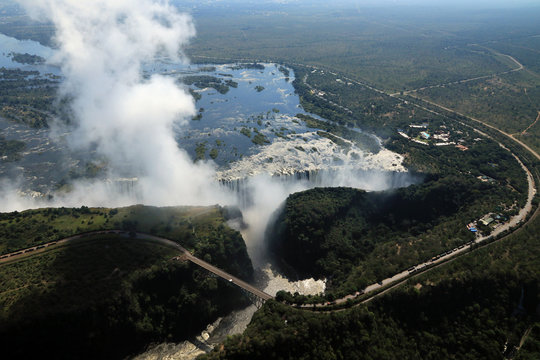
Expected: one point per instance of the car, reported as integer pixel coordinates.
(230, 280)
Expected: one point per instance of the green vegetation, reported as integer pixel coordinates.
(200, 151)
(405, 47)
(214, 153)
(231, 83)
(242, 66)
(361, 140)
(531, 345)
(197, 96)
(338, 141)
(140, 295)
(26, 98)
(284, 71)
(496, 100)
(27, 58)
(259, 88)
(468, 309)
(245, 131)
(351, 105)
(355, 238)
(206, 81)
(258, 138)
(207, 69)
(10, 149)
(197, 228)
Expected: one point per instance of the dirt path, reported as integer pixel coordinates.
(530, 126)
(517, 63)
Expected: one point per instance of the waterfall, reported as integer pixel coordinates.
(370, 180)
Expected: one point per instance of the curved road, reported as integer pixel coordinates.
(397, 279)
(451, 255)
(518, 68)
(15, 256)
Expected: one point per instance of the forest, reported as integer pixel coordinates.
(355, 238)
(481, 306)
(122, 293)
(201, 229)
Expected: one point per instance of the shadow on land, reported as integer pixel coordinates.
(108, 298)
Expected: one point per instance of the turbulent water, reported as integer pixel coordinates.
(234, 323)
(247, 128)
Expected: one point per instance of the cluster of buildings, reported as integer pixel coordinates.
(492, 220)
(420, 134)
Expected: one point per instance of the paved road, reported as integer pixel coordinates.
(163, 241)
(399, 278)
(217, 271)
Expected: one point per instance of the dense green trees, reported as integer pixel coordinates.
(201, 229)
(468, 309)
(204, 81)
(354, 238)
(108, 296)
(106, 299)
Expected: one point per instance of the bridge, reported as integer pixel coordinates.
(256, 296)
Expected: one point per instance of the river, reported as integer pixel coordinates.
(247, 126)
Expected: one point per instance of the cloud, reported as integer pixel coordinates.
(125, 116)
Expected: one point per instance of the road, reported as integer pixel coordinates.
(15, 256)
(530, 126)
(517, 63)
(216, 271)
(395, 280)
(522, 144)
(399, 279)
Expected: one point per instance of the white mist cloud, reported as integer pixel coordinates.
(128, 118)
(102, 46)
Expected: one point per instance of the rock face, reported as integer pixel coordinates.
(169, 351)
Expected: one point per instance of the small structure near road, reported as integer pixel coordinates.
(486, 220)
